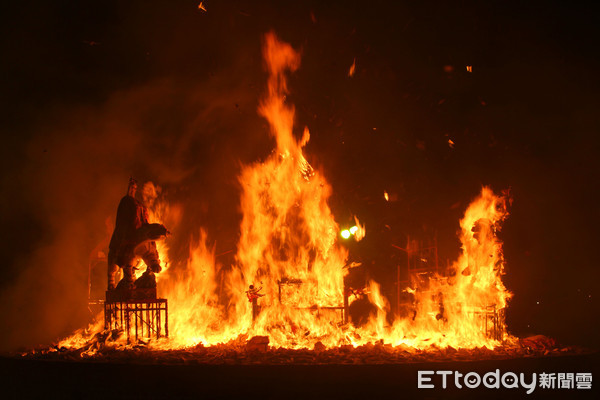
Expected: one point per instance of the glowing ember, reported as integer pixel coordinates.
(352, 70)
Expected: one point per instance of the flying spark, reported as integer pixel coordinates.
(352, 68)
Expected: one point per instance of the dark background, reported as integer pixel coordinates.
(93, 92)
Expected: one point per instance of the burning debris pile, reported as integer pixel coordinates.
(110, 347)
(284, 299)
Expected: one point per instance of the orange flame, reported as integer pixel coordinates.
(465, 308)
(288, 242)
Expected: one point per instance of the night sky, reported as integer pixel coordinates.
(94, 92)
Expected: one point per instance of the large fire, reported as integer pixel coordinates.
(291, 261)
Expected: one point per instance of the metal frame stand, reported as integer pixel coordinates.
(492, 322)
(138, 318)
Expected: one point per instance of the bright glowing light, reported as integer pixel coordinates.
(345, 233)
(353, 229)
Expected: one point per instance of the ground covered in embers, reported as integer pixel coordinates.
(243, 352)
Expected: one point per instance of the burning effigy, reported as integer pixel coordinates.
(285, 296)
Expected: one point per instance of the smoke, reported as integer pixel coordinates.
(76, 168)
